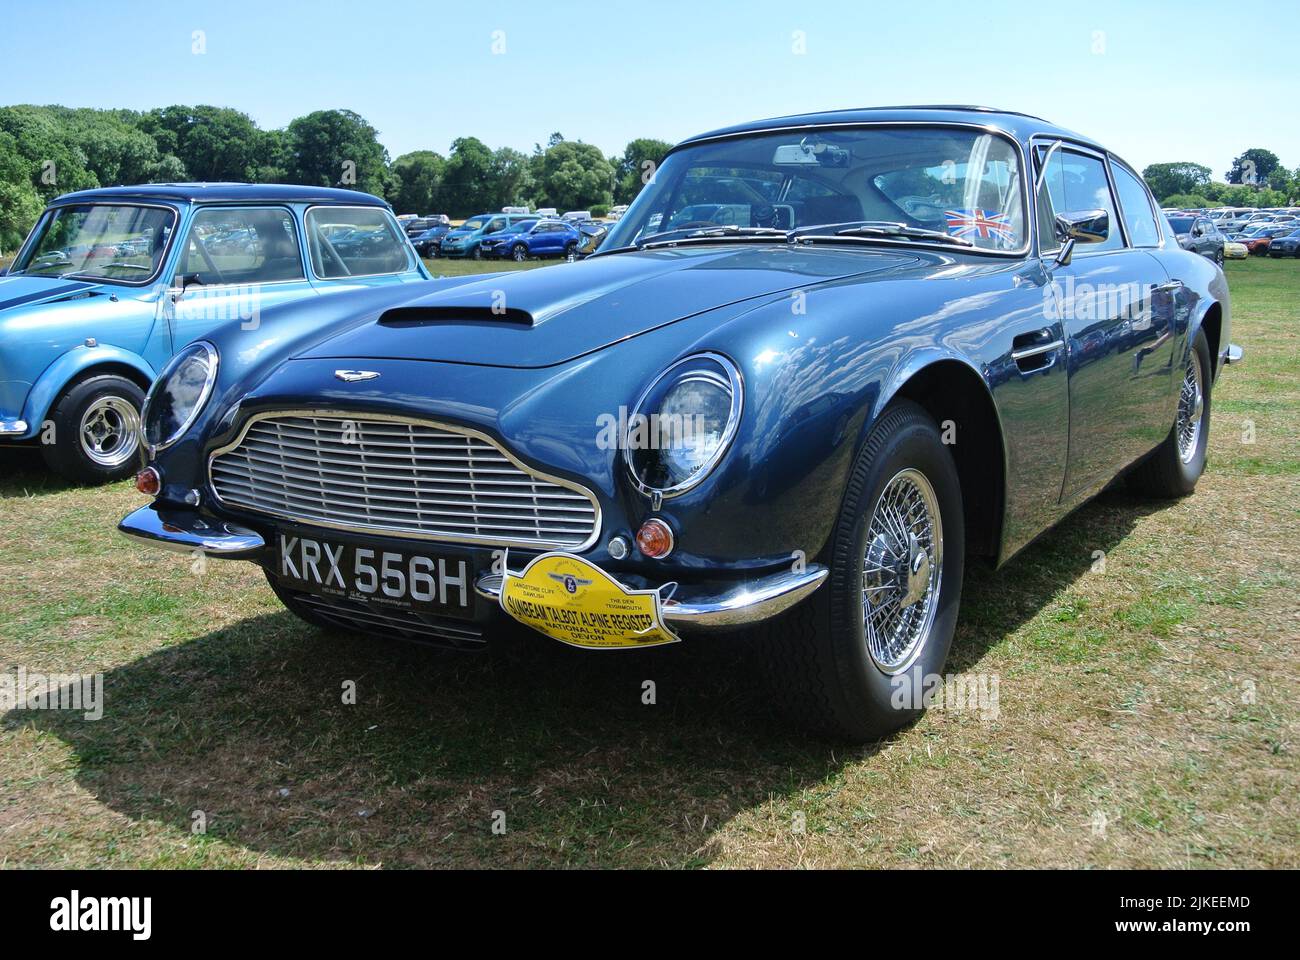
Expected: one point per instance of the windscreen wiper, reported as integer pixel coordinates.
(721, 232)
(699, 235)
(879, 228)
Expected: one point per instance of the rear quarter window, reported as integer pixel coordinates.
(354, 242)
(1139, 216)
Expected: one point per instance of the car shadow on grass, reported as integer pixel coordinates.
(23, 473)
(592, 759)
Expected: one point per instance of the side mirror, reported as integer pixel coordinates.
(1080, 226)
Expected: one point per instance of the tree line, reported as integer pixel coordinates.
(1257, 178)
(46, 151)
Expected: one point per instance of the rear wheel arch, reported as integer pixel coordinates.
(1212, 324)
(957, 398)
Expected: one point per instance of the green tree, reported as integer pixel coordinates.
(575, 176)
(1253, 167)
(418, 180)
(20, 204)
(512, 178)
(1166, 179)
(50, 163)
(337, 148)
(470, 178)
(637, 165)
(272, 155)
(214, 143)
(1186, 201)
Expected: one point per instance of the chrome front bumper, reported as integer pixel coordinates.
(704, 608)
(720, 608)
(184, 531)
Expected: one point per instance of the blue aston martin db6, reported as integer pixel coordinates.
(819, 363)
(102, 294)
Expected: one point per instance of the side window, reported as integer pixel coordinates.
(1136, 204)
(242, 245)
(354, 242)
(1076, 182)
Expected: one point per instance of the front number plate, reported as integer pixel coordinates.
(428, 582)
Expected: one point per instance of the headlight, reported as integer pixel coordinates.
(178, 395)
(683, 424)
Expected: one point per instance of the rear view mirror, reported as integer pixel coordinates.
(793, 154)
(810, 154)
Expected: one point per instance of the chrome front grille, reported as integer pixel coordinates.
(399, 476)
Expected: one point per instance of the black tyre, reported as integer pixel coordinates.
(478, 253)
(571, 252)
(848, 662)
(519, 253)
(1173, 468)
(95, 436)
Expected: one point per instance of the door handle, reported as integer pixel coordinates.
(1171, 287)
(1036, 350)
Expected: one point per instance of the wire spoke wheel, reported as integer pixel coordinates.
(1191, 408)
(902, 570)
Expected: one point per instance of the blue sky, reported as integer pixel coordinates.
(1149, 79)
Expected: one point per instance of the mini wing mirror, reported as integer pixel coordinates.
(1080, 226)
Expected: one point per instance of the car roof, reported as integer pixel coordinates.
(227, 193)
(1019, 125)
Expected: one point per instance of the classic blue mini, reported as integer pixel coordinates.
(112, 282)
(818, 363)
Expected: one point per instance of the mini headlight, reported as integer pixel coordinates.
(178, 395)
(682, 425)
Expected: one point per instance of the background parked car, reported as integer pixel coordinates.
(541, 238)
(1257, 239)
(1199, 235)
(464, 241)
(488, 245)
(421, 225)
(1230, 219)
(1232, 250)
(427, 243)
(112, 282)
(1285, 245)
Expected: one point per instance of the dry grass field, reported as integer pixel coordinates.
(1148, 708)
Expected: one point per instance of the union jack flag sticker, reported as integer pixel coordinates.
(979, 224)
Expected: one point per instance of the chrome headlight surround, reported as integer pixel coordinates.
(150, 431)
(709, 370)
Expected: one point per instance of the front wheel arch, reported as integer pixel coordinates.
(954, 394)
(65, 372)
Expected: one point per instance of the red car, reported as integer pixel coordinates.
(1258, 243)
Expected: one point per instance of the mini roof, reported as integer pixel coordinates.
(226, 193)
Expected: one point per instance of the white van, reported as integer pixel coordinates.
(1230, 219)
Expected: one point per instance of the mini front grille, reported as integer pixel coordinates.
(401, 477)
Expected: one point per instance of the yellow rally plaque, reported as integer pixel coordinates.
(576, 602)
